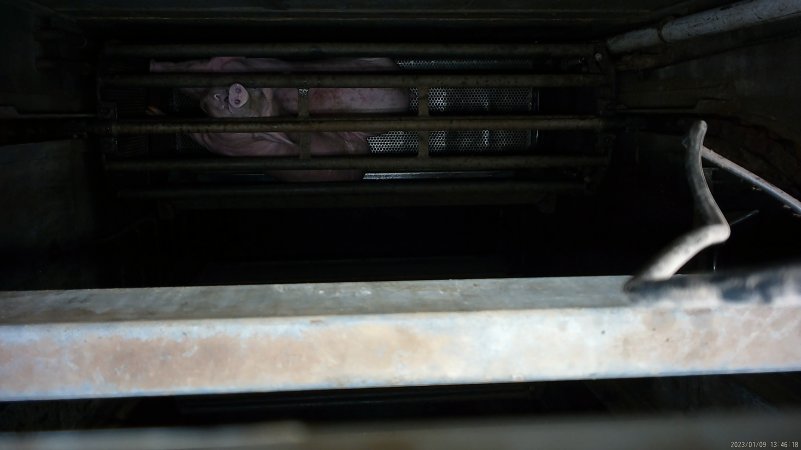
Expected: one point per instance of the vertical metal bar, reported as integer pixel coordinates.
(303, 112)
(422, 111)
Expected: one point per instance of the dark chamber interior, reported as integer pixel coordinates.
(70, 223)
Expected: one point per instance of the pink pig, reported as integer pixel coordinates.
(239, 101)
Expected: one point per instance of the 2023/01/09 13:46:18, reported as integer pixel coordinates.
(764, 444)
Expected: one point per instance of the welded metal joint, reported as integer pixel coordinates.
(714, 228)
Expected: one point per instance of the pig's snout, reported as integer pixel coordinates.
(237, 95)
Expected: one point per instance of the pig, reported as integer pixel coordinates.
(238, 101)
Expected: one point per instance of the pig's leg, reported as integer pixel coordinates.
(328, 144)
(247, 144)
(278, 144)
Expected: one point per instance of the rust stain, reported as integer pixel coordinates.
(282, 354)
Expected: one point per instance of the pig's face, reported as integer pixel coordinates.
(235, 101)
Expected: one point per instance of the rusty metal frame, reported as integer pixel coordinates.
(377, 163)
(351, 80)
(342, 49)
(164, 125)
(358, 194)
(195, 340)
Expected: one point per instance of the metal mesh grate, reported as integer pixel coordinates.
(480, 140)
(477, 100)
(466, 101)
(441, 65)
(394, 142)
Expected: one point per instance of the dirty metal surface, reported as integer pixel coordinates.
(342, 49)
(195, 340)
(353, 80)
(342, 123)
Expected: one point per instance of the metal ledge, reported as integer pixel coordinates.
(373, 163)
(133, 342)
(165, 125)
(352, 80)
(358, 194)
(340, 49)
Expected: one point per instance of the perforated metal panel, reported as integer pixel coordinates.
(442, 65)
(394, 142)
(467, 101)
(477, 100)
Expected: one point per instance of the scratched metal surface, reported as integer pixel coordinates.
(465, 101)
(308, 299)
(139, 342)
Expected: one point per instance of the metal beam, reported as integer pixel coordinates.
(346, 49)
(196, 340)
(375, 163)
(727, 18)
(164, 125)
(358, 194)
(351, 80)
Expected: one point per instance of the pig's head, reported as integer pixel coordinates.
(239, 101)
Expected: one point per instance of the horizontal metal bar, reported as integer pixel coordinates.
(336, 49)
(356, 188)
(351, 80)
(357, 194)
(165, 125)
(375, 163)
(726, 18)
(201, 340)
